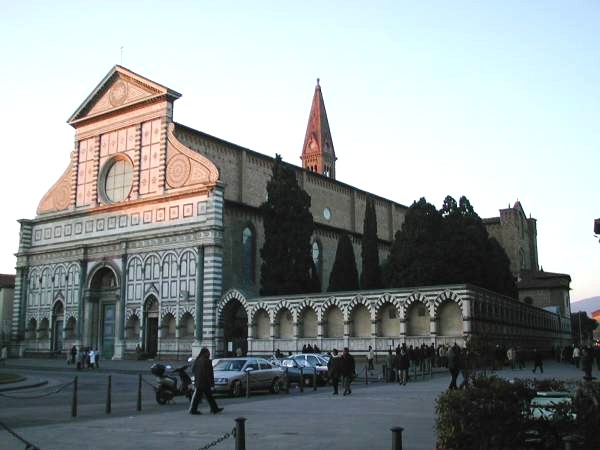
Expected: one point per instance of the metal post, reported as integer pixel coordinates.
(247, 384)
(301, 379)
(384, 368)
(240, 433)
(569, 442)
(139, 394)
(397, 438)
(314, 378)
(74, 399)
(366, 375)
(108, 395)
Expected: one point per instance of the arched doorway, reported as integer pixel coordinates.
(151, 325)
(58, 319)
(102, 312)
(235, 327)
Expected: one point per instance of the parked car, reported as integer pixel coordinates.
(230, 375)
(309, 362)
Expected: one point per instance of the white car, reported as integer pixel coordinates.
(231, 375)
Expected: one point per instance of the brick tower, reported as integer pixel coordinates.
(318, 154)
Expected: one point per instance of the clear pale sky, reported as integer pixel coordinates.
(497, 101)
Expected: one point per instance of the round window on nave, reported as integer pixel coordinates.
(118, 180)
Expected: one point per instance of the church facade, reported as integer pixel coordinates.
(150, 240)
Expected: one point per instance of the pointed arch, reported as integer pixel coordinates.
(307, 318)
(258, 307)
(445, 297)
(330, 302)
(359, 300)
(230, 295)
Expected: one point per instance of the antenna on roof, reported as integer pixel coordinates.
(122, 54)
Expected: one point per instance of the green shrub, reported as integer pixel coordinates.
(495, 414)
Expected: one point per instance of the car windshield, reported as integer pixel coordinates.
(230, 365)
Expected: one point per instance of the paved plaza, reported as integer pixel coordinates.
(309, 420)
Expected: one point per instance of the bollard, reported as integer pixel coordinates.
(240, 433)
(74, 400)
(314, 378)
(108, 396)
(397, 438)
(569, 442)
(366, 375)
(301, 379)
(247, 384)
(139, 394)
(286, 384)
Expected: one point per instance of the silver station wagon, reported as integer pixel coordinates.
(230, 375)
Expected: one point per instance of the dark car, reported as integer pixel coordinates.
(310, 363)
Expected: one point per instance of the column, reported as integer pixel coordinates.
(346, 333)
(197, 344)
(120, 345)
(17, 332)
(296, 334)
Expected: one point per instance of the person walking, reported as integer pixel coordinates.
(576, 356)
(453, 356)
(587, 363)
(204, 380)
(537, 361)
(389, 367)
(371, 358)
(92, 359)
(402, 365)
(334, 367)
(511, 355)
(73, 354)
(347, 370)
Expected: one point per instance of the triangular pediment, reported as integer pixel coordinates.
(120, 89)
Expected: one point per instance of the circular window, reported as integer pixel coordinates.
(327, 213)
(118, 179)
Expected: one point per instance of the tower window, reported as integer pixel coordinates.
(248, 255)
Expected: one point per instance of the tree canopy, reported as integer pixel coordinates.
(448, 246)
(288, 225)
(370, 277)
(344, 276)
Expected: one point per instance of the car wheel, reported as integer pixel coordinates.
(276, 386)
(236, 389)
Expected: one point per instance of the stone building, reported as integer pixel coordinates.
(517, 234)
(7, 294)
(150, 239)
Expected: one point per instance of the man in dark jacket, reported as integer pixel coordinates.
(204, 380)
(454, 363)
(348, 368)
(334, 367)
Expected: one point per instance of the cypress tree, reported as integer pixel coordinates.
(288, 227)
(344, 276)
(370, 277)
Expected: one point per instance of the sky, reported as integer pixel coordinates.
(497, 101)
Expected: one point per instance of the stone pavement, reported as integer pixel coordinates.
(312, 420)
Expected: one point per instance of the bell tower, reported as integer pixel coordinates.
(318, 154)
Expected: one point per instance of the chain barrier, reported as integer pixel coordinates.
(28, 445)
(149, 384)
(47, 394)
(219, 440)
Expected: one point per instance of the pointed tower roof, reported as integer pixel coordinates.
(318, 136)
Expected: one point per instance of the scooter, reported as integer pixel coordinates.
(167, 386)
